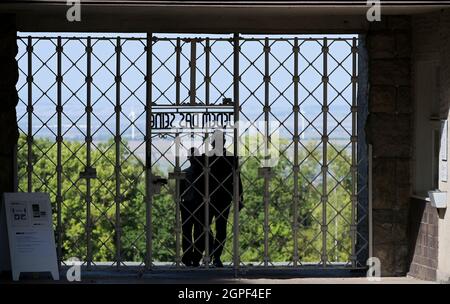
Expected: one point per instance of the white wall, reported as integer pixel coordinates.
(443, 272)
(431, 52)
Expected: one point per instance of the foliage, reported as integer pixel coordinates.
(131, 212)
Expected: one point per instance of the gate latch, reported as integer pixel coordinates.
(177, 174)
(265, 172)
(89, 172)
(157, 182)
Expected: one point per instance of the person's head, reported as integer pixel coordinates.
(192, 153)
(218, 139)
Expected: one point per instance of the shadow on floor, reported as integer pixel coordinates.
(226, 275)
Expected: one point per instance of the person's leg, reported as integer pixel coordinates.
(212, 214)
(199, 236)
(186, 241)
(199, 233)
(221, 232)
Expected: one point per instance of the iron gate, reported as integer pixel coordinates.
(106, 124)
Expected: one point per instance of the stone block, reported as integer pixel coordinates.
(6, 173)
(383, 176)
(404, 102)
(403, 171)
(386, 255)
(400, 215)
(396, 72)
(381, 45)
(401, 260)
(399, 22)
(403, 44)
(383, 233)
(9, 132)
(403, 196)
(9, 73)
(8, 99)
(434, 242)
(382, 99)
(391, 135)
(400, 235)
(392, 146)
(382, 227)
(422, 272)
(7, 23)
(8, 44)
(381, 25)
(433, 217)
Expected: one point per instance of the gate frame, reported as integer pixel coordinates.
(360, 96)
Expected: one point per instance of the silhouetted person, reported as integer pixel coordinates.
(192, 211)
(221, 193)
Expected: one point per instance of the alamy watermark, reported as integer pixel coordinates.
(74, 272)
(259, 139)
(374, 272)
(374, 11)
(74, 11)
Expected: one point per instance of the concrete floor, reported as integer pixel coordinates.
(386, 280)
(218, 276)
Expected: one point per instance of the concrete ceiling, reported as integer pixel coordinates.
(206, 16)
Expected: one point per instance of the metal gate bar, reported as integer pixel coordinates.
(88, 167)
(206, 172)
(354, 139)
(296, 50)
(236, 168)
(178, 223)
(59, 139)
(324, 229)
(30, 116)
(118, 141)
(177, 169)
(193, 67)
(266, 168)
(148, 156)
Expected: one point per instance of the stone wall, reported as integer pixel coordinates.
(8, 100)
(431, 44)
(423, 234)
(389, 130)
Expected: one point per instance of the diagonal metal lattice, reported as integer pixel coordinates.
(93, 134)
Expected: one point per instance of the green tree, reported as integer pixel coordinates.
(132, 213)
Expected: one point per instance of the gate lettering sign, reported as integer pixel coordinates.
(194, 117)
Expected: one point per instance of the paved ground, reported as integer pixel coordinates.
(387, 280)
(227, 276)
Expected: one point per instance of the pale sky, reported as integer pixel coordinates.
(74, 88)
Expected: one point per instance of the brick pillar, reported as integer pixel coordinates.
(8, 100)
(389, 130)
